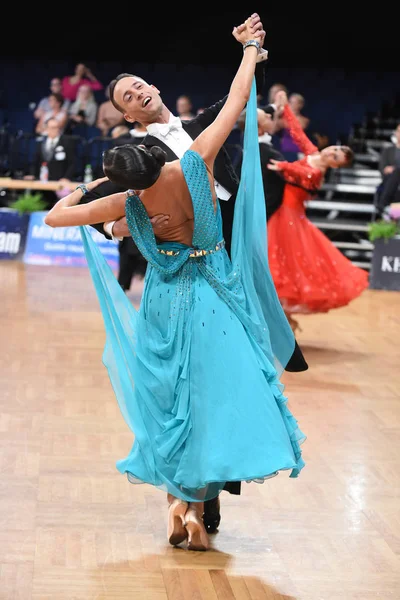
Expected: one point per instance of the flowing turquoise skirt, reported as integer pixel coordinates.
(196, 369)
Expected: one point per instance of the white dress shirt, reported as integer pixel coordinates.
(265, 138)
(175, 137)
(51, 144)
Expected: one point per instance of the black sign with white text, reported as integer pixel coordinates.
(385, 269)
(13, 231)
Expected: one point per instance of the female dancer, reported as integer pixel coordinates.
(310, 274)
(196, 370)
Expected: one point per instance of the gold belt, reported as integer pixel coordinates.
(195, 253)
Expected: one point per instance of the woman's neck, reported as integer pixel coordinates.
(317, 162)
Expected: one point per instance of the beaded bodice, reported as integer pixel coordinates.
(207, 222)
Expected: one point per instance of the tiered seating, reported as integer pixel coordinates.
(345, 205)
(17, 151)
(344, 209)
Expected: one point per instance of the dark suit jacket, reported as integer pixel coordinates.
(273, 182)
(224, 174)
(62, 164)
(387, 158)
(223, 169)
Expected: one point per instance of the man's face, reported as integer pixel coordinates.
(139, 100)
(54, 103)
(273, 91)
(183, 105)
(80, 69)
(55, 86)
(265, 124)
(296, 103)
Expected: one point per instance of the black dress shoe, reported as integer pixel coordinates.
(297, 362)
(211, 516)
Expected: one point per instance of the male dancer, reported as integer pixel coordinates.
(140, 102)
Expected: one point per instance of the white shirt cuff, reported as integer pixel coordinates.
(262, 55)
(108, 228)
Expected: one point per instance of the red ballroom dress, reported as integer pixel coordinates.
(310, 274)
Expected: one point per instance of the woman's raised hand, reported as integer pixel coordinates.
(251, 29)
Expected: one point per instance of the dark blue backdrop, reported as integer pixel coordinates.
(335, 98)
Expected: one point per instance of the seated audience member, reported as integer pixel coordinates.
(272, 108)
(58, 152)
(184, 108)
(288, 146)
(121, 135)
(84, 110)
(138, 132)
(56, 111)
(274, 89)
(389, 166)
(72, 83)
(297, 103)
(108, 116)
(321, 140)
(44, 104)
(120, 131)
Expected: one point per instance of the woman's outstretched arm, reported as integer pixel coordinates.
(66, 213)
(295, 129)
(213, 137)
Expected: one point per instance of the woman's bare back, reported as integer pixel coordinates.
(170, 196)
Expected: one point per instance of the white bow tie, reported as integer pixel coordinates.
(173, 124)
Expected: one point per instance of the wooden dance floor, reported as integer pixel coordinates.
(73, 528)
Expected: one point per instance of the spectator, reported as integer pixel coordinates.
(44, 104)
(297, 103)
(184, 108)
(58, 152)
(138, 132)
(121, 134)
(84, 110)
(271, 108)
(389, 166)
(72, 83)
(108, 116)
(56, 111)
(120, 131)
(321, 140)
(287, 145)
(274, 89)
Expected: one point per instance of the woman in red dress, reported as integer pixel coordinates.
(310, 274)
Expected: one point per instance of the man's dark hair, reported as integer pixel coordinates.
(348, 155)
(132, 167)
(112, 85)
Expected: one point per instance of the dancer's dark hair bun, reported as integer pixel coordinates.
(159, 154)
(133, 167)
